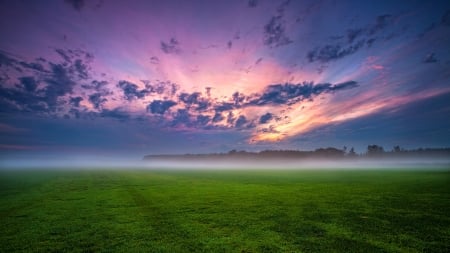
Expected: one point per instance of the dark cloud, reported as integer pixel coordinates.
(356, 38)
(189, 99)
(381, 22)
(29, 83)
(75, 101)
(97, 100)
(352, 34)
(430, 58)
(274, 33)
(224, 106)
(154, 60)
(115, 113)
(182, 117)
(171, 47)
(293, 93)
(253, 3)
(333, 52)
(203, 120)
(161, 87)
(241, 120)
(131, 91)
(218, 117)
(229, 44)
(445, 20)
(160, 106)
(230, 118)
(59, 83)
(265, 118)
(76, 4)
(81, 69)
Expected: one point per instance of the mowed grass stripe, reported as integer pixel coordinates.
(225, 211)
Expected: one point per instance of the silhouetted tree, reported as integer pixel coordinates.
(352, 152)
(374, 150)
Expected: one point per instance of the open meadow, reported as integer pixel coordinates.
(224, 211)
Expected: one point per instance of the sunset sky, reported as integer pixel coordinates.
(151, 77)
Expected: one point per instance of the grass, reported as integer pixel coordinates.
(225, 211)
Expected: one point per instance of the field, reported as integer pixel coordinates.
(224, 211)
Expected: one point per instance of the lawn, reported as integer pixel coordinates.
(225, 211)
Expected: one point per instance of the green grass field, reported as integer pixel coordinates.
(225, 211)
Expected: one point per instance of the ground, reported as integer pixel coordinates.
(225, 211)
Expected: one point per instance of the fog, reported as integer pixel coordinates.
(118, 163)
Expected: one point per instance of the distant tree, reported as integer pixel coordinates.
(374, 150)
(396, 149)
(352, 152)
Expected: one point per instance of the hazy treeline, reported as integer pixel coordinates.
(373, 151)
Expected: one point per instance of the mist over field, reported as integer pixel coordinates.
(87, 163)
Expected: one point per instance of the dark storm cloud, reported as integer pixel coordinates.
(76, 4)
(275, 34)
(131, 91)
(170, 47)
(292, 93)
(265, 118)
(354, 40)
(160, 106)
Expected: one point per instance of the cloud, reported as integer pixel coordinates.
(445, 20)
(154, 60)
(241, 120)
(160, 106)
(265, 118)
(218, 117)
(356, 38)
(115, 113)
(131, 91)
(170, 47)
(29, 83)
(292, 93)
(333, 52)
(203, 120)
(430, 58)
(97, 100)
(75, 101)
(274, 33)
(253, 3)
(76, 4)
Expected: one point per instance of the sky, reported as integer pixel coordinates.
(173, 77)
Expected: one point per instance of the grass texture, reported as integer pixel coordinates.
(224, 211)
